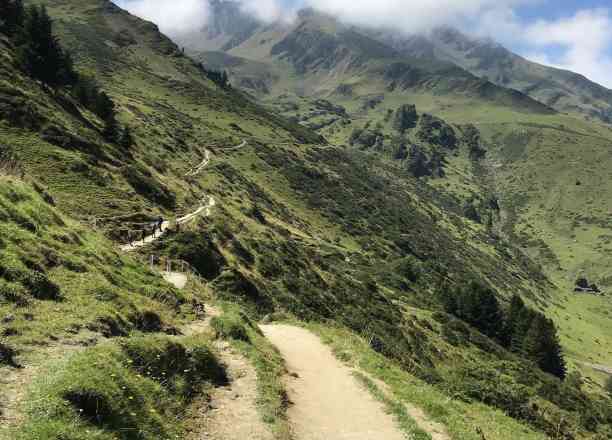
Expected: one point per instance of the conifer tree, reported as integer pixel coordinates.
(104, 106)
(40, 52)
(512, 319)
(405, 118)
(11, 16)
(608, 386)
(126, 140)
(541, 345)
(111, 129)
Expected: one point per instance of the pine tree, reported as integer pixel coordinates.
(40, 52)
(512, 320)
(126, 140)
(478, 306)
(541, 345)
(405, 118)
(521, 326)
(11, 16)
(111, 129)
(554, 362)
(104, 106)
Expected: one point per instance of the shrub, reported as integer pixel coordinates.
(608, 386)
(147, 186)
(7, 356)
(13, 293)
(40, 286)
(490, 385)
(230, 326)
(200, 251)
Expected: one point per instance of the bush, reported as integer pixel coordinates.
(200, 251)
(13, 293)
(7, 356)
(608, 386)
(35, 282)
(40, 286)
(230, 326)
(490, 385)
(147, 186)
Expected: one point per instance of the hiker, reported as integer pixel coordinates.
(160, 223)
(144, 234)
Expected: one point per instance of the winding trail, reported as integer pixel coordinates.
(206, 209)
(327, 401)
(195, 171)
(202, 210)
(598, 367)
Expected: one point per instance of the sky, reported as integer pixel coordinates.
(569, 34)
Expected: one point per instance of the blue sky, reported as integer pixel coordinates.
(570, 34)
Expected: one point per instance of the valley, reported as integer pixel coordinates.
(336, 210)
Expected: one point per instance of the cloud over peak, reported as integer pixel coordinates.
(581, 42)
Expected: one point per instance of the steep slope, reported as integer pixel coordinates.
(302, 230)
(529, 175)
(562, 90)
(172, 108)
(319, 56)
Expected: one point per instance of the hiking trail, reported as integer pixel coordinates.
(204, 210)
(327, 401)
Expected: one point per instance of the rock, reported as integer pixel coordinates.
(583, 286)
(8, 318)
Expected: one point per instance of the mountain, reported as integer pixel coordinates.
(562, 90)
(356, 88)
(389, 204)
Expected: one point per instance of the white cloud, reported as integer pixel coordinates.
(412, 16)
(268, 10)
(585, 40)
(174, 17)
(581, 43)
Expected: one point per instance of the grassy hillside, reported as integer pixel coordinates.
(546, 171)
(345, 238)
(563, 90)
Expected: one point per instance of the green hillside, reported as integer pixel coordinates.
(563, 90)
(543, 168)
(363, 229)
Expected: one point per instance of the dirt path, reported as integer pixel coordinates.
(198, 169)
(232, 413)
(177, 279)
(600, 368)
(202, 210)
(328, 402)
(195, 171)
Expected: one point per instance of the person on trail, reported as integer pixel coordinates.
(160, 223)
(144, 234)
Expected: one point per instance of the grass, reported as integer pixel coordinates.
(460, 418)
(245, 336)
(132, 389)
(336, 224)
(398, 409)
